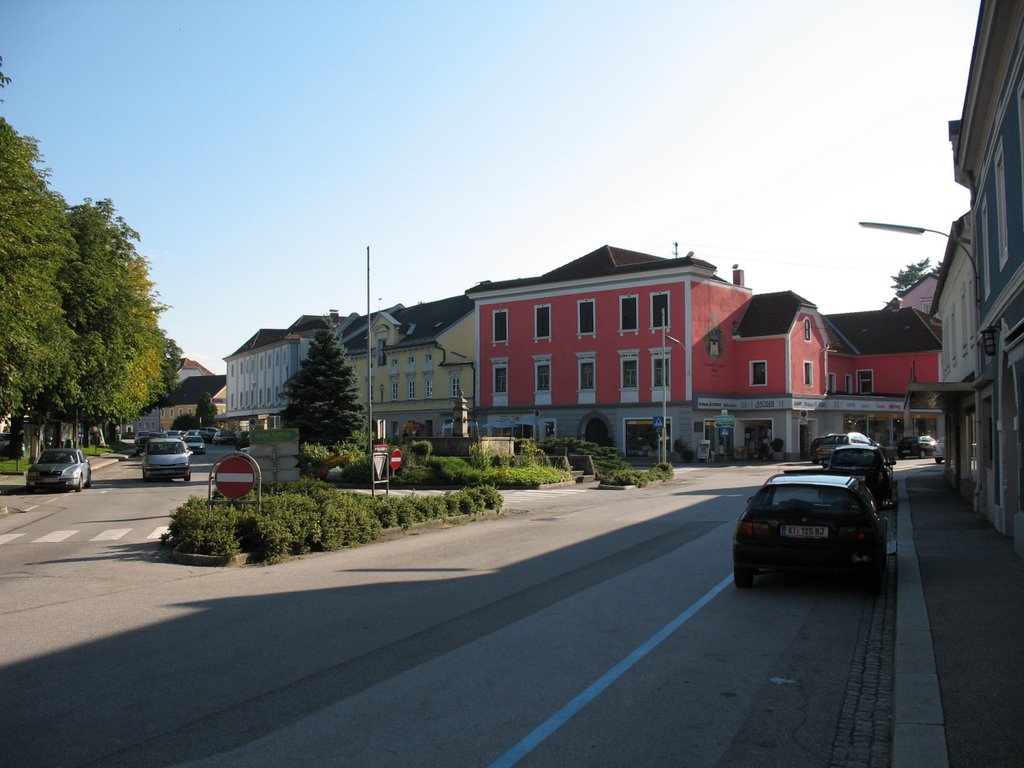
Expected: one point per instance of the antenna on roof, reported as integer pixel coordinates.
(675, 250)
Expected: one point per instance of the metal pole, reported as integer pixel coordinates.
(369, 377)
(664, 393)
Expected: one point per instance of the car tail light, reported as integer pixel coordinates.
(857, 533)
(749, 529)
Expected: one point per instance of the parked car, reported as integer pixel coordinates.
(165, 459)
(939, 454)
(208, 433)
(174, 433)
(65, 468)
(916, 445)
(822, 447)
(811, 522)
(872, 465)
(195, 443)
(223, 437)
(5, 440)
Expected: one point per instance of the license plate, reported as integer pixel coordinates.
(803, 531)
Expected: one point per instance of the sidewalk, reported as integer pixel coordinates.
(959, 687)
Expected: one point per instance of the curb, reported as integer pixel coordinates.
(918, 723)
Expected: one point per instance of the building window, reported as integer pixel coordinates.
(659, 310)
(981, 249)
(662, 370)
(586, 317)
(865, 382)
(542, 322)
(759, 373)
(411, 389)
(831, 383)
(428, 388)
(628, 313)
(543, 376)
(500, 325)
(807, 329)
(500, 379)
(586, 375)
(630, 378)
(808, 374)
(394, 389)
(848, 383)
(382, 356)
(455, 386)
(1003, 246)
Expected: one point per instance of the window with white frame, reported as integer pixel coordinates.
(661, 372)
(382, 357)
(542, 369)
(586, 372)
(630, 366)
(865, 382)
(585, 317)
(428, 388)
(628, 313)
(454, 385)
(500, 378)
(758, 373)
(659, 310)
(1000, 170)
(410, 389)
(807, 329)
(831, 383)
(394, 389)
(542, 321)
(848, 383)
(981, 252)
(808, 373)
(500, 325)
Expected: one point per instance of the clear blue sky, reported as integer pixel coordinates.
(260, 147)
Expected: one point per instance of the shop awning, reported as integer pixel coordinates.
(935, 395)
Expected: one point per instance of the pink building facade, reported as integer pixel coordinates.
(622, 348)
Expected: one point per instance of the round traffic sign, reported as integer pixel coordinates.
(396, 458)
(234, 477)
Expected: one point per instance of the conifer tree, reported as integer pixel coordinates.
(323, 395)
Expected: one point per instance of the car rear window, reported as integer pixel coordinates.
(816, 498)
(853, 458)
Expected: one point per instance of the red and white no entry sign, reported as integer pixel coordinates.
(234, 477)
(396, 458)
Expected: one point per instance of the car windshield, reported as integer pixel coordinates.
(57, 457)
(817, 498)
(853, 458)
(166, 448)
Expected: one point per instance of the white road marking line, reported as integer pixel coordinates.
(9, 537)
(158, 532)
(111, 534)
(54, 537)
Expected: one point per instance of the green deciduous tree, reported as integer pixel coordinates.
(206, 411)
(323, 394)
(908, 277)
(35, 244)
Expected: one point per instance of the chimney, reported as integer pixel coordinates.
(334, 316)
(737, 275)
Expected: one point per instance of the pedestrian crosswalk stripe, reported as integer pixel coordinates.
(112, 534)
(54, 537)
(9, 537)
(158, 532)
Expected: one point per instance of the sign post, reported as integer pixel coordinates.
(235, 476)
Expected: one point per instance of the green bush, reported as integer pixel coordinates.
(421, 448)
(197, 530)
(311, 516)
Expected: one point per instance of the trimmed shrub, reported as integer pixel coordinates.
(197, 530)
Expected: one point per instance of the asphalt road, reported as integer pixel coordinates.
(582, 628)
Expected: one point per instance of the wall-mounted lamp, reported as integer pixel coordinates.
(988, 339)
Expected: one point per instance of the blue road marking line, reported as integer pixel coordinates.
(566, 713)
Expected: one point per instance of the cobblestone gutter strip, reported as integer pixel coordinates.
(863, 733)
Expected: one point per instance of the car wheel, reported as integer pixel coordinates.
(80, 486)
(188, 478)
(743, 577)
(938, 459)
